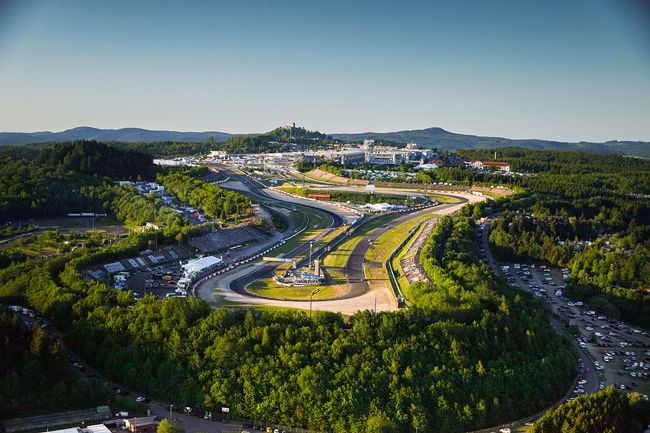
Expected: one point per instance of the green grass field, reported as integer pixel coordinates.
(316, 222)
(339, 257)
(333, 288)
(268, 288)
(395, 263)
(442, 198)
(384, 246)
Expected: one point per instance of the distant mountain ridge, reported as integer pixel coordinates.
(127, 135)
(429, 137)
(442, 139)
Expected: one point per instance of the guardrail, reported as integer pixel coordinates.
(354, 211)
(200, 281)
(320, 252)
(401, 299)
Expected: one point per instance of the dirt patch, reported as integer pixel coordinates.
(317, 173)
(221, 240)
(493, 191)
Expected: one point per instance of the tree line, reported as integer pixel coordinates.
(36, 375)
(97, 159)
(213, 200)
(477, 357)
(606, 411)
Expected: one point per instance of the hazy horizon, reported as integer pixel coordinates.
(316, 129)
(577, 71)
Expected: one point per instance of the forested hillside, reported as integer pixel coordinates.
(91, 157)
(606, 411)
(214, 201)
(585, 212)
(477, 358)
(468, 356)
(36, 374)
(445, 140)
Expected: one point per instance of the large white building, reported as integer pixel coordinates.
(493, 165)
(352, 157)
(384, 158)
(194, 267)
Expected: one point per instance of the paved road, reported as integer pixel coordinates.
(217, 291)
(252, 188)
(193, 424)
(354, 266)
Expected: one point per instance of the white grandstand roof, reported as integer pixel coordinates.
(198, 265)
(380, 206)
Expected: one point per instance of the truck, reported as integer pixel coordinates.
(122, 414)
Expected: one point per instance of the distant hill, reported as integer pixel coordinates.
(430, 137)
(125, 135)
(445, 140)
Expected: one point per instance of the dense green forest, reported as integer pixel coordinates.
(277, 140)
(214, 201)
(559, 162)
(36, 375)
(29, 190)
(593, 223)
(168, 149)
(469, 357)
(63, 179)
(570, 174)
(98, 159)
(480, 357)
(607, 411)
(157, 149)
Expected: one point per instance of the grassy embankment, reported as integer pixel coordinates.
(402, 254)
(384, 246)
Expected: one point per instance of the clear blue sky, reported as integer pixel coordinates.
(555, 69)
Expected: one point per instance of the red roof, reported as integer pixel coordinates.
(494, 163)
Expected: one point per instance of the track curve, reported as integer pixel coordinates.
(354, 266)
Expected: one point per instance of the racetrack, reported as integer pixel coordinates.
(229, 289)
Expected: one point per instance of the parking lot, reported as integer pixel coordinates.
(159, 281)
(619, 352)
